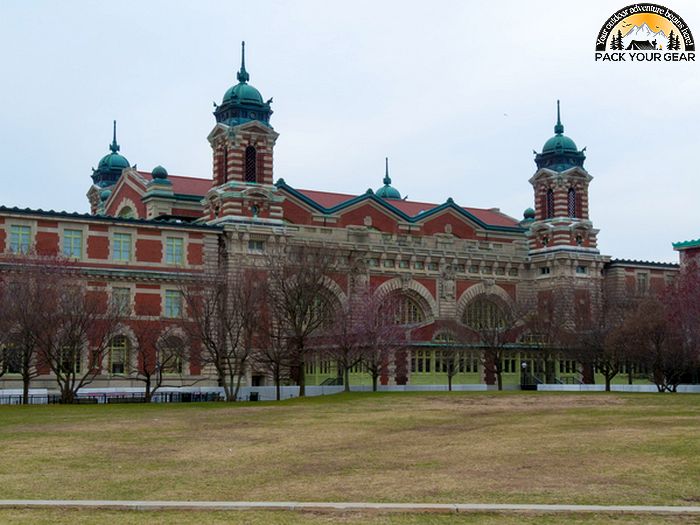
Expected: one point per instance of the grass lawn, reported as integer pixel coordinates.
(78, 517)
(597, 448)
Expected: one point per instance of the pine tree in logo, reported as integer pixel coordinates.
(616, 41)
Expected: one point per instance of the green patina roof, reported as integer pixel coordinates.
(387, 191)
(693, 243)
(110, 167)
(559, 153)
(243, 93)
(159, 172)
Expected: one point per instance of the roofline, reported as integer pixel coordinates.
(449, 204)
(648, 264)
(105, 218)
(682, 245)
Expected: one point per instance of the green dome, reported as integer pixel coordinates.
(529, 213)
(104, 194)
(387, 191)
(243, 93)
(559, 142)
(159, 172)
(113, 161)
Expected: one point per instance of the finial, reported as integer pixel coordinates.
(559, 128)
(243, 75)
(387, 179)
(114, 147)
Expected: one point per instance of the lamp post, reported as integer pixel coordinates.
(523, 377)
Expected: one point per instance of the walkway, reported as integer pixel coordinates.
(328, 506)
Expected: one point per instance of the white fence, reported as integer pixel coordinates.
(687, 389)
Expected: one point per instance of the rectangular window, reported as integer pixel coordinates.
(388, 263)
(70, 361)
(9, 360)
(174, 250)
(544, 270)
(173, 303)
(403, 264)
(121, 247)
(500, 271)
(461, 268)
(118, 355)
(374, 263)
(418, 265)
(473, 269)
(581, 270)
(513, 272)
(642, 283)
(20, 238)
(73, 243)
(486, 270)
(255, 245)
(121, 299)
(432, 266)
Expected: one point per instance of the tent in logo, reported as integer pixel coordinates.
(642, 45)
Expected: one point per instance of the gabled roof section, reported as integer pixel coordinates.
(410, 211)
(191, 186)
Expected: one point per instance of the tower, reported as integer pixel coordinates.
(242, 143)
(108, 171)
(560, 184)
(566, 266)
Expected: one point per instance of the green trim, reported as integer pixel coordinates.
(682, 245)
(449, 204)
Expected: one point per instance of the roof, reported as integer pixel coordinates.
(651, 264)
(412, 209)
(105, 218)
(683, 245)
(184, 185)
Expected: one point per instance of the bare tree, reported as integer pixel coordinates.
(343, 340)
(273, 354)
(496, 324)
(75, 335)
(160, 354)
(300, 300)
(380, 334)
(223, 310)
(27, 293)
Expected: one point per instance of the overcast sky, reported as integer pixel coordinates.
(457, 94)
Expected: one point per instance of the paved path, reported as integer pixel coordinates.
(332, 506)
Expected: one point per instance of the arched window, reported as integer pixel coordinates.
(482, 314)
(119, 355)
(550, 204)
(127, 213)
(571, 202)
(251, 165)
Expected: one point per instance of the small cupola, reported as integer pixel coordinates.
(110, 167)
(387, 191)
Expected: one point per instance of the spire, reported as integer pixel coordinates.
(243, 75)
(114, 147)
(559, 128)
(387, 179)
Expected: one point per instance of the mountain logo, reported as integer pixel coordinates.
(645, 32)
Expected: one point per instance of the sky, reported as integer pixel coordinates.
(457, 94)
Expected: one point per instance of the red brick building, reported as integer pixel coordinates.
(450, 263)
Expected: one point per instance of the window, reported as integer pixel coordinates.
(550, 203)
(508, 366)
(174, 250)
(121, 247)
(544, 270)
(571, 202)
(121, 300)
(432, 266)
(250, 164)
(173, 303)
(73, 243)
(119, 355)
(388, 263)
(69, 360)
(10, 360)
(20, 238)
(486, 270)
(170, 356)
(581, 270)
(500, 271)
(403, 264)
(642, 283)
(409, 312)
(255, 245)
(421, 362)
(373, 262)
(484, 313)
(418, 265)
(310, 367)
(461, 268)
(473, 269)
(513, 272)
